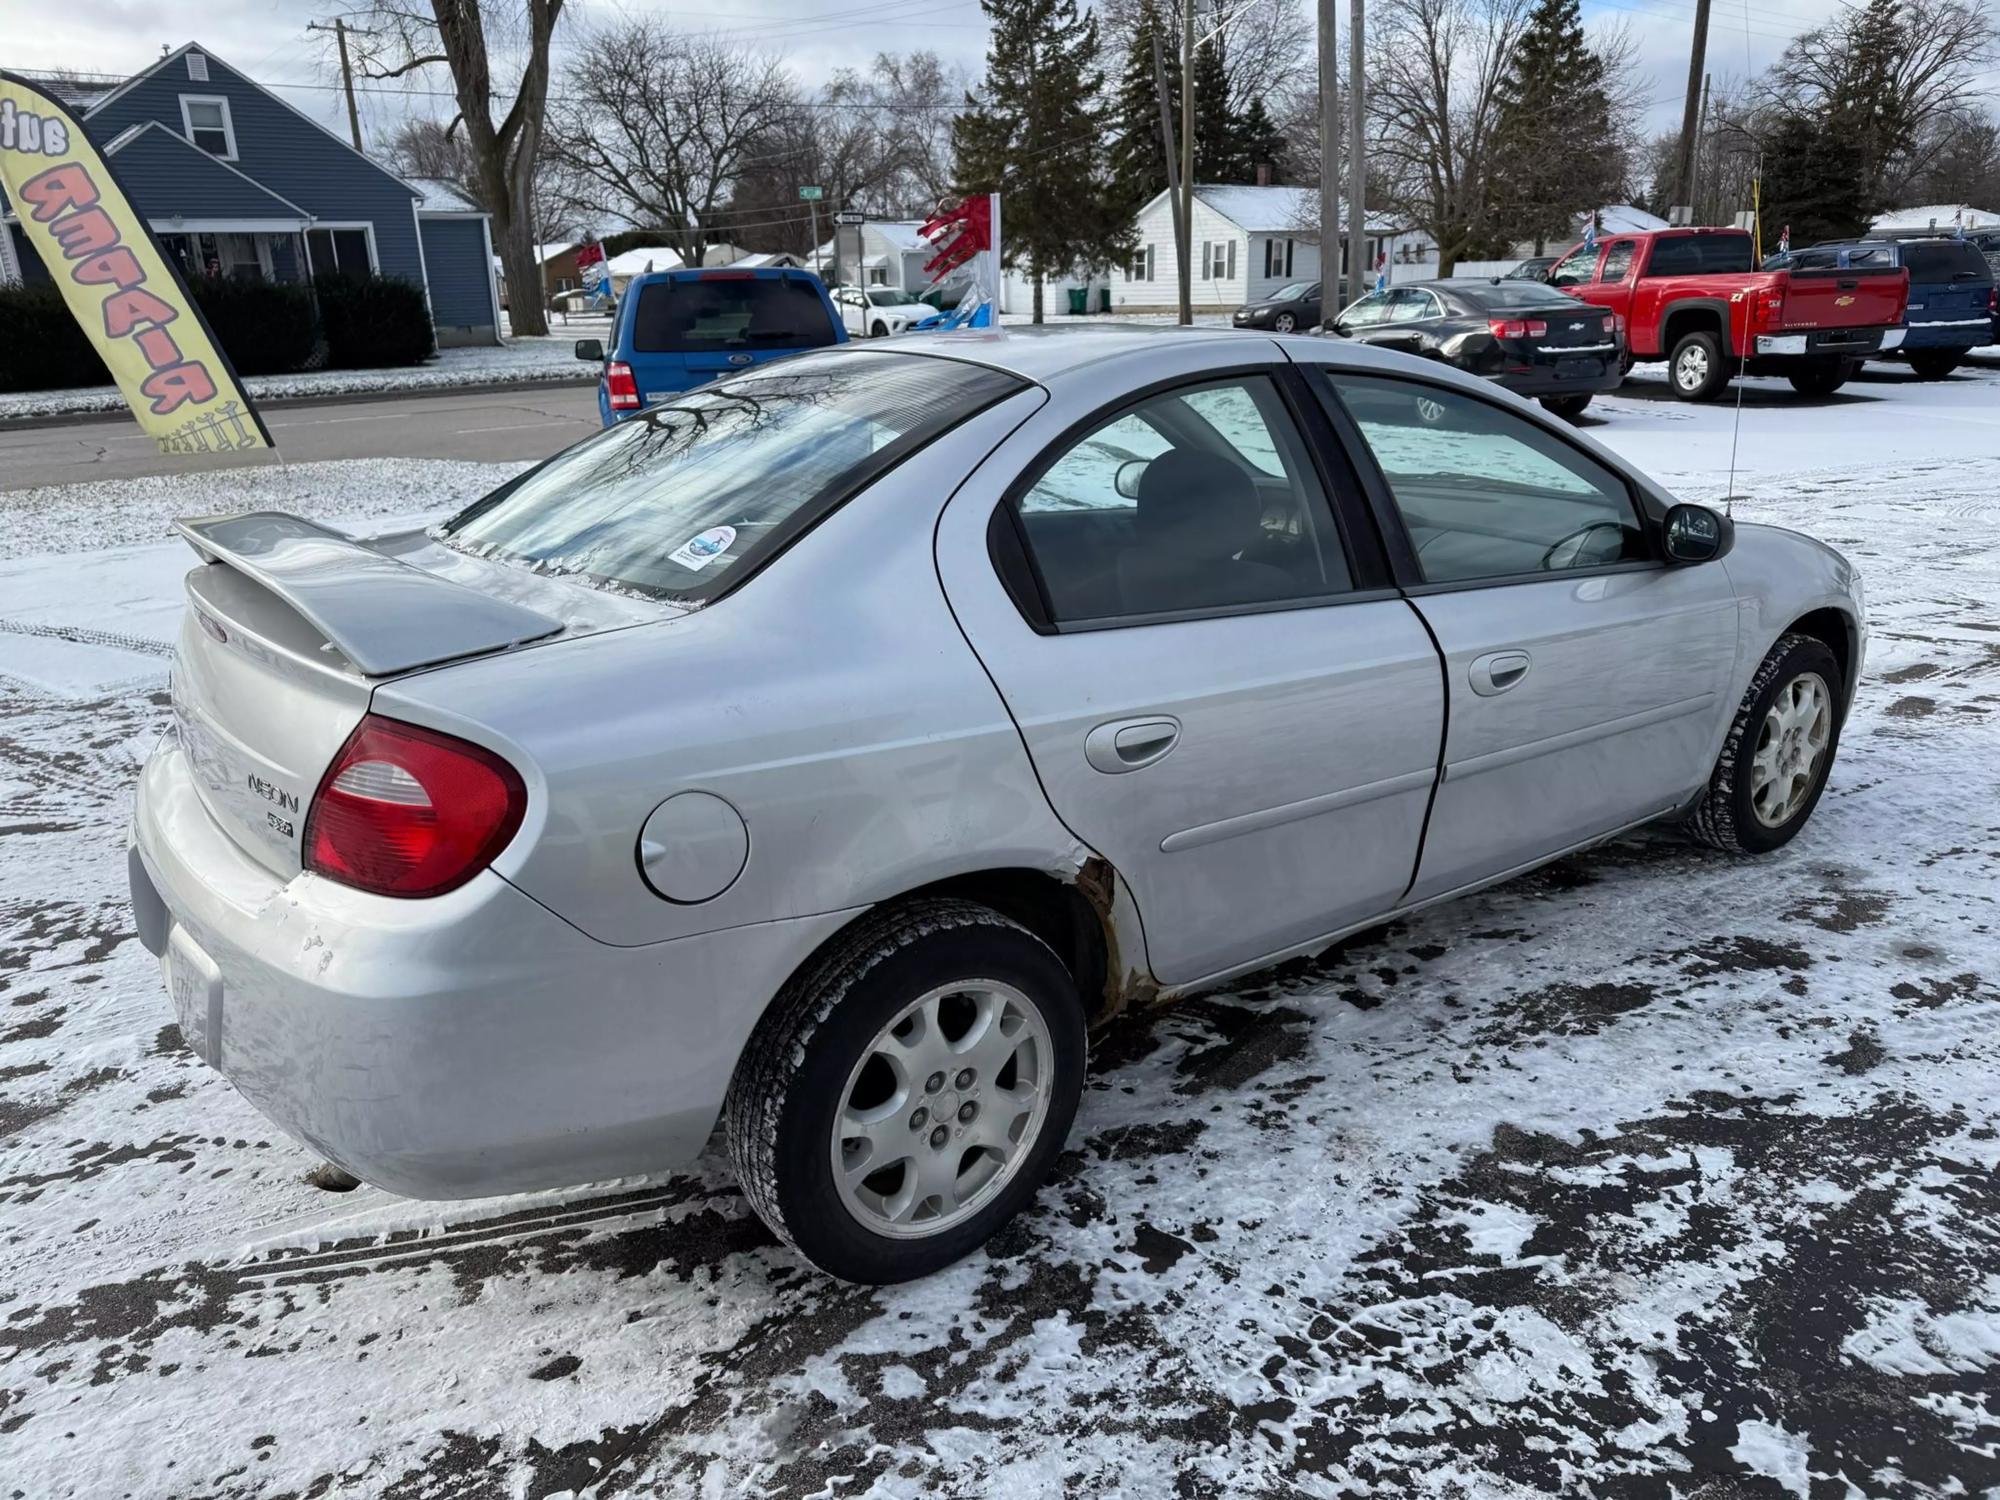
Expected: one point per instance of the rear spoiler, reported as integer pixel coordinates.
(382, 614)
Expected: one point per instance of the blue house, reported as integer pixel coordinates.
(236, 182)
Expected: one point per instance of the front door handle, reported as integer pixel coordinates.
(1129, 744)
(1497, 671)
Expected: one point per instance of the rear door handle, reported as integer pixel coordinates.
(1130, 744)
(1497, 671)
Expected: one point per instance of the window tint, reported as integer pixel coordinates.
(1196, 499)
(696, 316)
(1371, 309)
(1948, 260)
(1484, 493)
(681, 498)
(1700, 255)
(1617, 262)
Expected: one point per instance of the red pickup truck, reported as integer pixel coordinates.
(1695, 298)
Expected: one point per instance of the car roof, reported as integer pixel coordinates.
(1040, 354)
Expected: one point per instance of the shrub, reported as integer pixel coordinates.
(373, 321)
(266, 328)
(42, 347)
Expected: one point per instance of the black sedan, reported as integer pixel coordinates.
(1288, 308)
(1519, 334)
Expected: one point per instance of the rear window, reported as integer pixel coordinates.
(1512, 294)
(689, 316)
(1700, 255)
(682, 499)
(1950, 260)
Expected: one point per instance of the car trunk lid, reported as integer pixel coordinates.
(290, 626)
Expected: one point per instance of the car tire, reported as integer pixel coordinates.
(879, 331)
(1569, 408)
(817, 1050)
(1739, 810)
(1821, 378)
(1284, 323)
(1696, 369)
(1934, 364)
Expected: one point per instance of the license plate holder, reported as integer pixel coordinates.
(195, 984)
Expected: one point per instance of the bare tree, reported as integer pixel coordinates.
(560, 207)
(1435, 70)
(474, 40)
(666, 122)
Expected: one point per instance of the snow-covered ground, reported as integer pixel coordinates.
(1653, 1173)
(518, 360)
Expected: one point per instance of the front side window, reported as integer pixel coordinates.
(681, 499)
(1370, 310)
(1617, 262)
(1197, 499)
(1484, 493)
(1574, 269)
(1411, 306)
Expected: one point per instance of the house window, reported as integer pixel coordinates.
(1278, 258)
(209, 126)
(1142, 264)
(1208, 260)
(342, 252)
(1230, 274)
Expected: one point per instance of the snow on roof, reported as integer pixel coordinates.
(546, 253)
(1943, 216)
(1275, 210)
(1623, 218)
(436, 196)
(636, 262)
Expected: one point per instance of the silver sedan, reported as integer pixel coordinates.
(822, 752)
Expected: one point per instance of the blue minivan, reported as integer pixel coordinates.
(675, 330)
(1953, 305)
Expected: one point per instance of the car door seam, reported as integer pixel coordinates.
(1444, 740)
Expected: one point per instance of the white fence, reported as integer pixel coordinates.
(1484, 267)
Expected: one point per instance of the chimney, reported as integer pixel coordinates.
(1263, 174)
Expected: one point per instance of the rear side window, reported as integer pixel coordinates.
(1484, 493)
(1196, 499)
(682, 499)
(695, 316)
(1949, 261)
(1700, 255)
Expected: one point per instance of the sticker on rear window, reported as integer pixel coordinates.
(698, 552)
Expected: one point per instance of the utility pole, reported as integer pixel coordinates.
(1694, 156)
(1329, 162)
(1690, 116)
(1357, 164)
(1186, 237)
(1172, 155)
(339, 30)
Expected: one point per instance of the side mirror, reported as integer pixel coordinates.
(1126, 480)
(590, 349)
(1340, 330)
(1696, 534)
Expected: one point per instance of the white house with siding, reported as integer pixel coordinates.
(1247, 242)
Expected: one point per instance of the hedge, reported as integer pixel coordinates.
(42, 347)
(266, 328)
(373, 321)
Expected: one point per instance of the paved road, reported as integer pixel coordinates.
(496, 428)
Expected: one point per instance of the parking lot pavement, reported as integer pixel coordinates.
(1653, 1172)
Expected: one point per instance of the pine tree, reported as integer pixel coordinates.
(1813, 181)
(1555, 155)
(1261, 143)
(1217, 140)
(1866, 104)
(1138, 155)
(1035, 136)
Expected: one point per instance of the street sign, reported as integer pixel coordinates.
(810, 195)
(850, 216)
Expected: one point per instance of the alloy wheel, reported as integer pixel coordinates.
(1791, 748)
(1691, 369)
(1284, 323)
(944, 1105)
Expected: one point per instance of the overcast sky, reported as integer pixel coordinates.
(267, 39)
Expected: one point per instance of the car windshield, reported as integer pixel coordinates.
(889, 296)
(1291, 293)
(1512, 295)
(680, 500)
(691, 315)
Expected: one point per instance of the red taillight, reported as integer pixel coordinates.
(1768, 311)
(1618, 324)
(621, 387)
(1516, 328)
(1993, 301)
(405, 811)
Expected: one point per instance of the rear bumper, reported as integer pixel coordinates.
(1593, 376)
(469, 1044)
(1855, 343)
(1949, 333)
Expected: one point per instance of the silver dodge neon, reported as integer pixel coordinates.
(821, 752)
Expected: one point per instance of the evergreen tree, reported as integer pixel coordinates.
(1035, 136)
(1261, 143)
(1814, 181)
(1555, 155)
(1866, 103)
(1138, 155)
(1217, 139)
